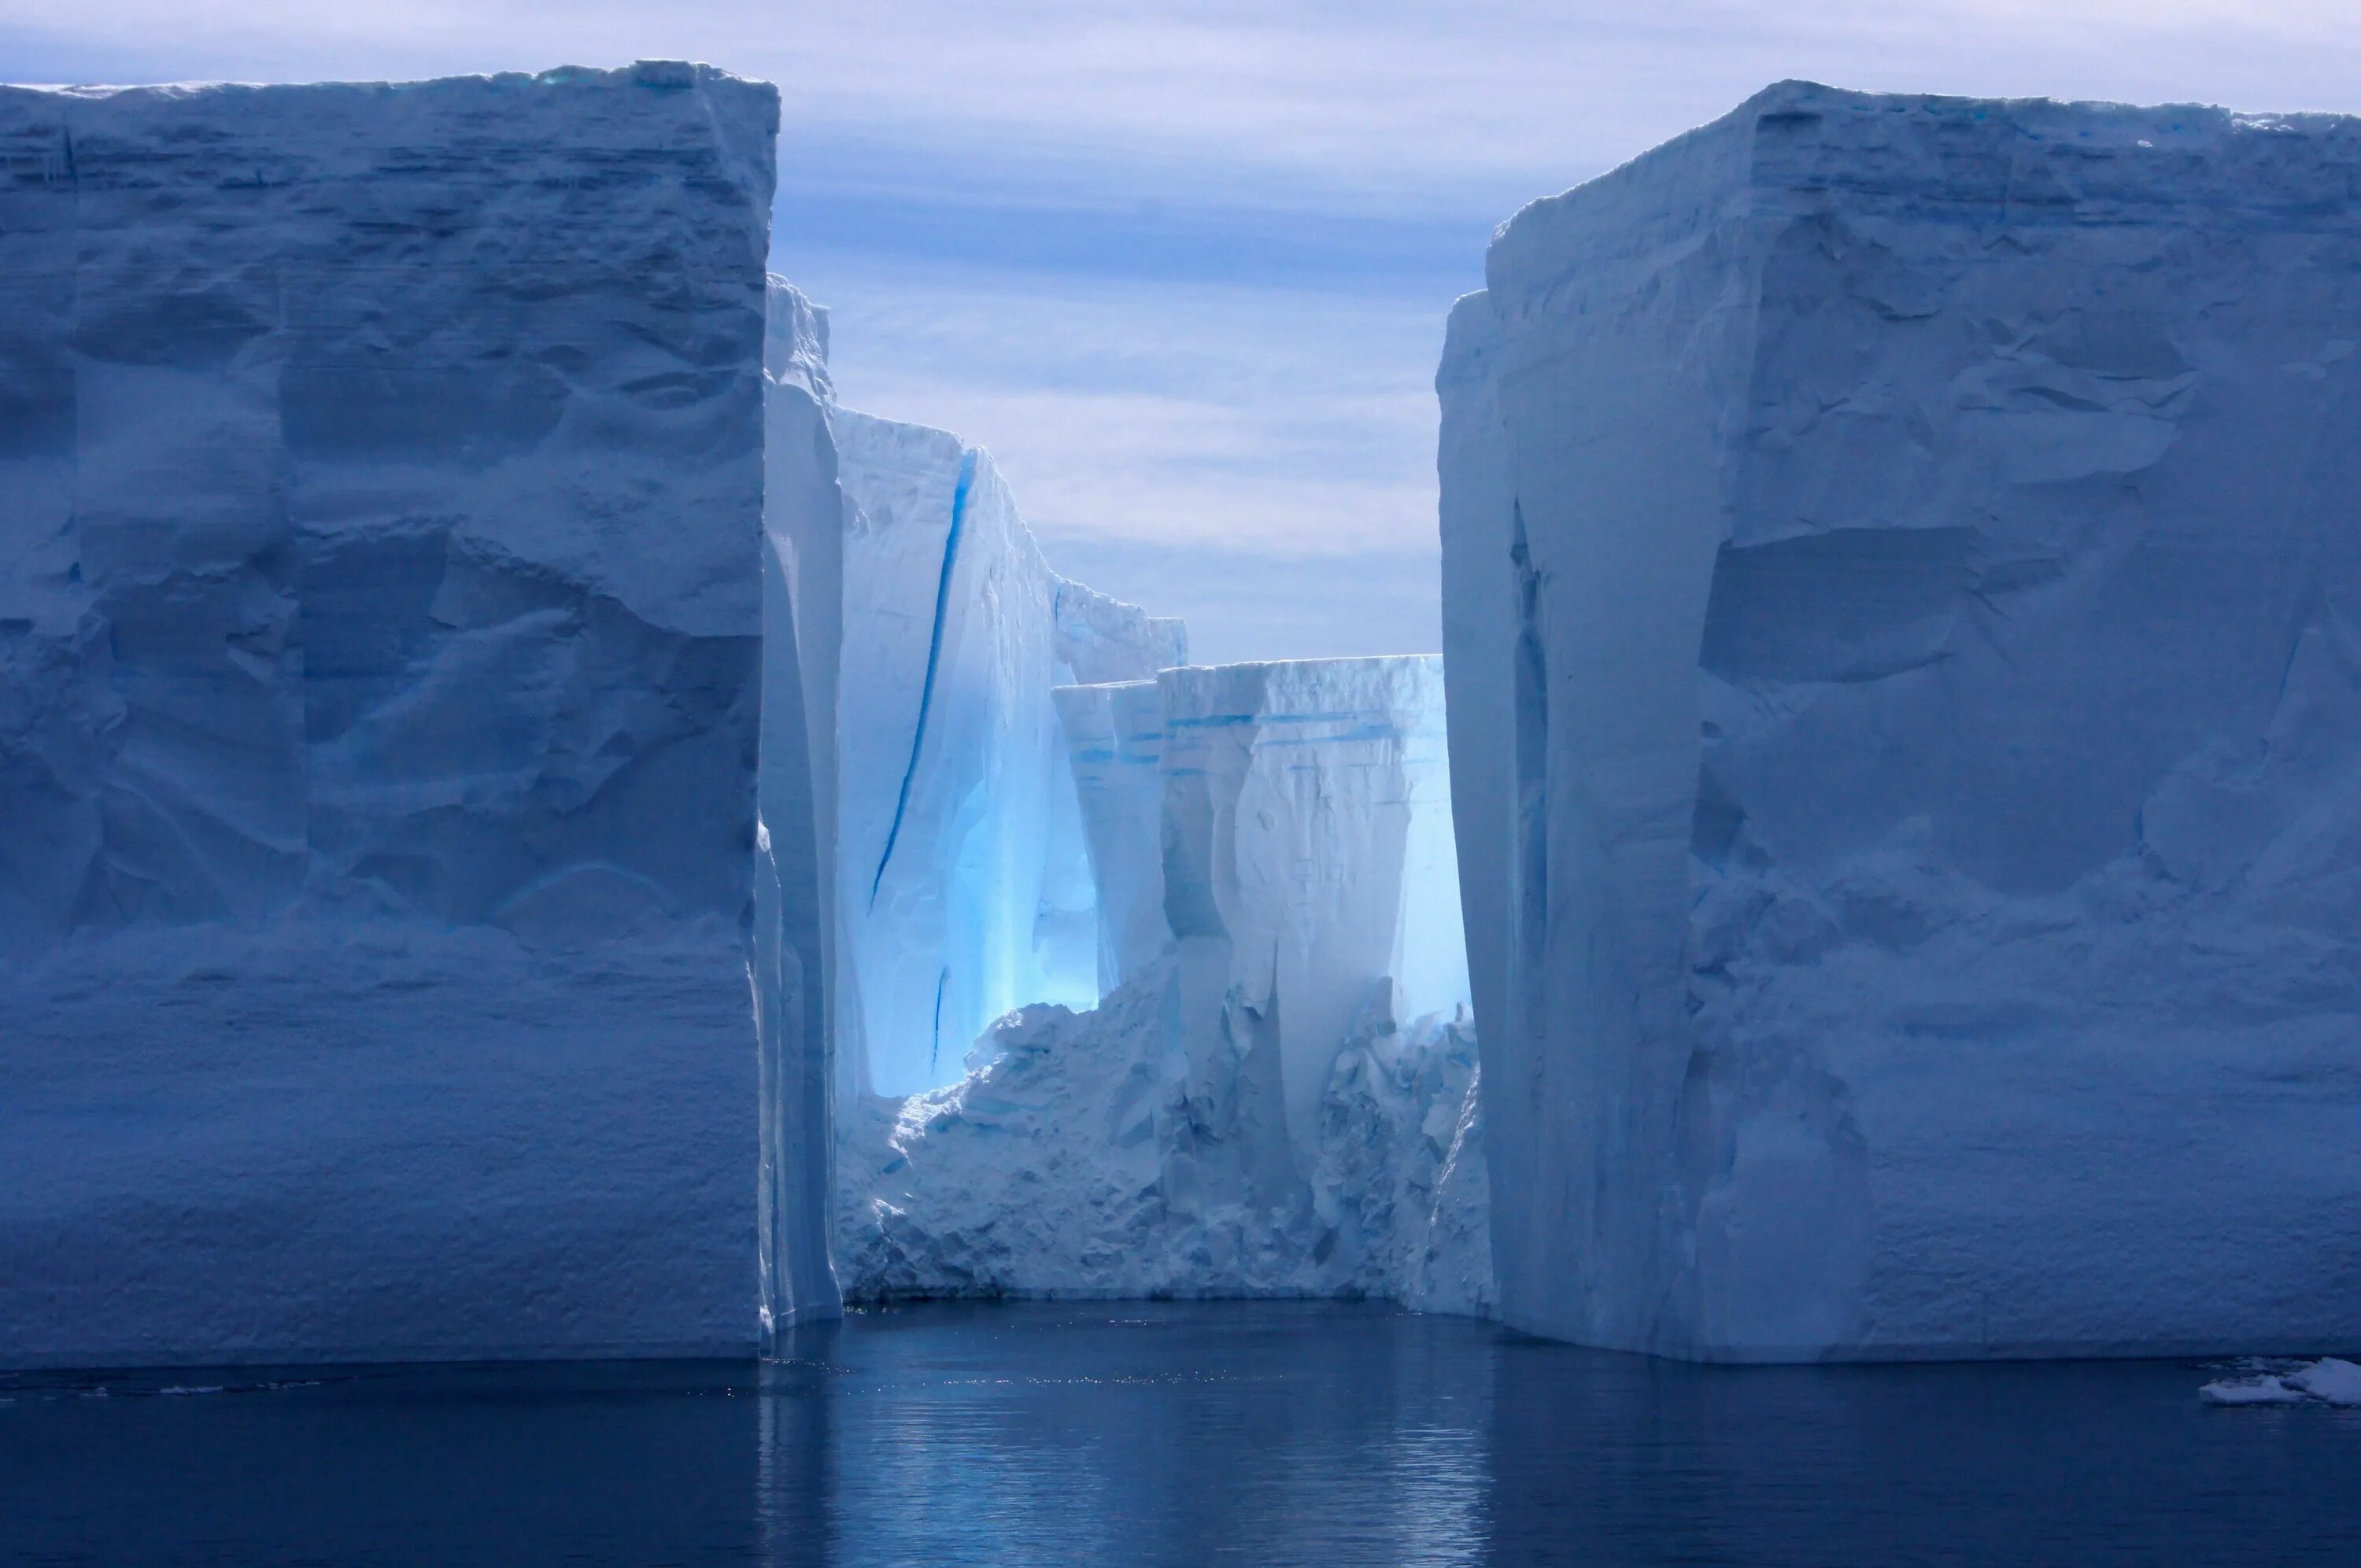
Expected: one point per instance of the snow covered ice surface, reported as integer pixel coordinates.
(1900, 569)
(380, 489)
(1280, 1098)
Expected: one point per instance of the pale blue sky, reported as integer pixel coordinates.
(1183, 268)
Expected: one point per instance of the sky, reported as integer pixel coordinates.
(1183, 268)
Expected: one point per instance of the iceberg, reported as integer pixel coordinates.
(1908, 720)
(381, 490)
(1279, 1096)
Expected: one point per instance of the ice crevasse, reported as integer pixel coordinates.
(1900, 560)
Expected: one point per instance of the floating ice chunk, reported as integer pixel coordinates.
(2329, 1381)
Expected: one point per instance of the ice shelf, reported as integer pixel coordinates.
(1901, 560)
(380, 639)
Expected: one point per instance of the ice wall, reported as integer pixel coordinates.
(964, 881)
(1115, 741)
(1281, 1103)
(1900, 554)
(380, 495)
(1307, 871)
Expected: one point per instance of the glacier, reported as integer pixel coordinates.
(1278, 1096)
(1907, 718)
(382, 488)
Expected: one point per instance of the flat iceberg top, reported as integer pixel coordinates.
(2022, 160)
(664, 74)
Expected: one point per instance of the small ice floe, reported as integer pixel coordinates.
(176, 1388)
(2328, 1381)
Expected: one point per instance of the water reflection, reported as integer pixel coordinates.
(1128, 1433)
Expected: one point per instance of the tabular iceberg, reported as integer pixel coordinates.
(1901, 556)
(1280, 1102)
(380, 519)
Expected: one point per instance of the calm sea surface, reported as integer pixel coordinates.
(1130, 1433)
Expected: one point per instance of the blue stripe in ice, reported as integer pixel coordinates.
(934, 657)
(935, 1051)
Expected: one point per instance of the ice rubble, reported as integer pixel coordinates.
(381, 480)
(1900, 568)
(1280, 1096)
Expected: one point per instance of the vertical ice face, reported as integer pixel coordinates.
(1309, 877)
(963, 881)
(795, 891)
(1114, 739)
(380, 550)
(1899, 556)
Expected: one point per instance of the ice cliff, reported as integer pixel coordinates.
(1901, 580)
(380, 638)
(1279, 1097)
(962, 885)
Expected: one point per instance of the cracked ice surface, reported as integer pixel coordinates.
(1900, 568)
(381, 480)
(1280, 1102)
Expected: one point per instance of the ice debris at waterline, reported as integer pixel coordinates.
(1281, 1098)
(2329, 1381)
(381, 494)
(1901, 566)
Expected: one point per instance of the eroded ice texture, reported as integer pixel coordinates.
(1284, 1100)
(1900, 558)
(380, 490)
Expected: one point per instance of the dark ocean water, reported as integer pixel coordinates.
(1130, 1433)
